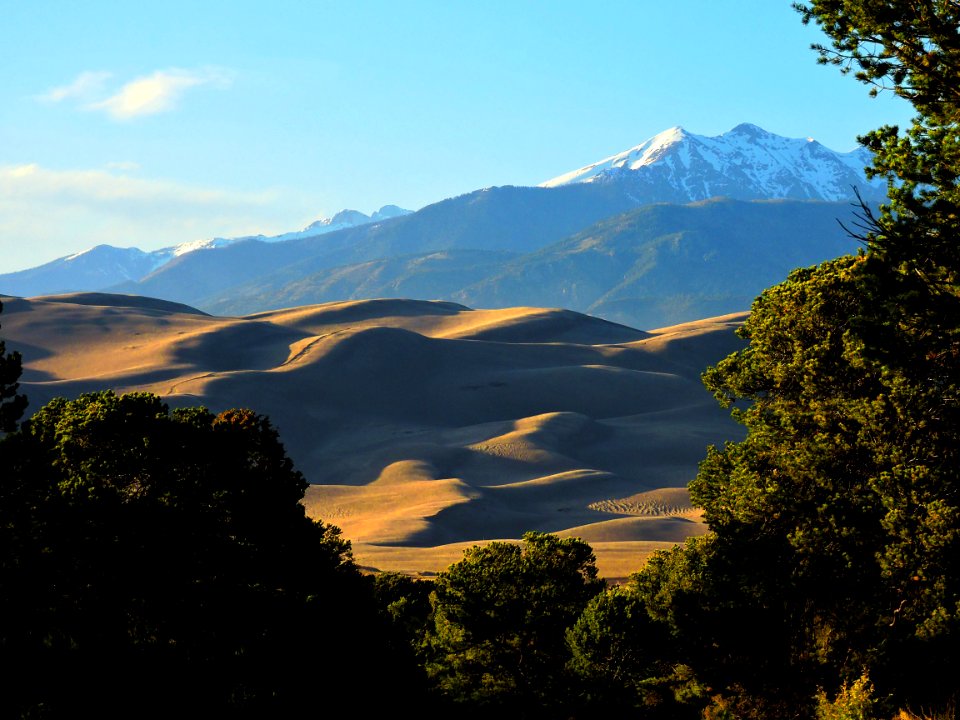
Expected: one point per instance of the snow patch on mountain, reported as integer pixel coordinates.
(105, 265)
(746, 162)
(636, 157)
(184, 248)
(342, 220)
(131, 262)
(118, 257)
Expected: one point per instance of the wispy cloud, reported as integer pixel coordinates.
(158, 92)
(87, 87)
(48, 213)
(100, 186)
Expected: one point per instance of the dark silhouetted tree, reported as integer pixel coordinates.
(500, 620)
(157, 563)
(837, 519)
(623, 660)
(12, 404)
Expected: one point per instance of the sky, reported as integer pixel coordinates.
(152, 124)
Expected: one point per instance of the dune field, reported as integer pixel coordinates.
(424, 427)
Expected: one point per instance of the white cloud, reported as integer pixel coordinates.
(47, 213)
(156, 93)
(86, 87)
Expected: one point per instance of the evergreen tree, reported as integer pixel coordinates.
(836, 548)
(621, 658)
(500, 616)
(157, 563)
(912, 49)
(12, 404)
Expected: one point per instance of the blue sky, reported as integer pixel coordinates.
(152, 124)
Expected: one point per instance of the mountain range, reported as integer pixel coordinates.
(677, 228)
(104, 266)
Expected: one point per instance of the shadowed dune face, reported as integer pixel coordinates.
(425, 427)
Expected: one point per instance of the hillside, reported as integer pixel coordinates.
(654, 265)
(665, 264)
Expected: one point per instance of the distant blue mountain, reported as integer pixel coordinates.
(622, 238)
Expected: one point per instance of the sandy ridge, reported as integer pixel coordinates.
(423, 426)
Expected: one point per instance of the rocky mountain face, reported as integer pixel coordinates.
(629, 238)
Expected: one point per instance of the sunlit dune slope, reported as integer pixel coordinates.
(424, 427)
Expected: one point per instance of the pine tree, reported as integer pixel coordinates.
(836, 521)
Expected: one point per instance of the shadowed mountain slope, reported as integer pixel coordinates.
(665, 264)
(501, 219)
(651, 266)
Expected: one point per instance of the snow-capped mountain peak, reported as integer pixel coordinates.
(184, 248)
(746, 162)
(342, 220)
(636, 157)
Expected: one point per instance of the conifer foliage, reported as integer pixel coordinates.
(837, 520)
(12, 404)
(497, 642)
(158, 563)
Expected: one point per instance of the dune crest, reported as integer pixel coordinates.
(424, 427)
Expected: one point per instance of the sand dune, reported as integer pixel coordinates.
(424, 427)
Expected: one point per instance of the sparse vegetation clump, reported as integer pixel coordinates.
(854, 701)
